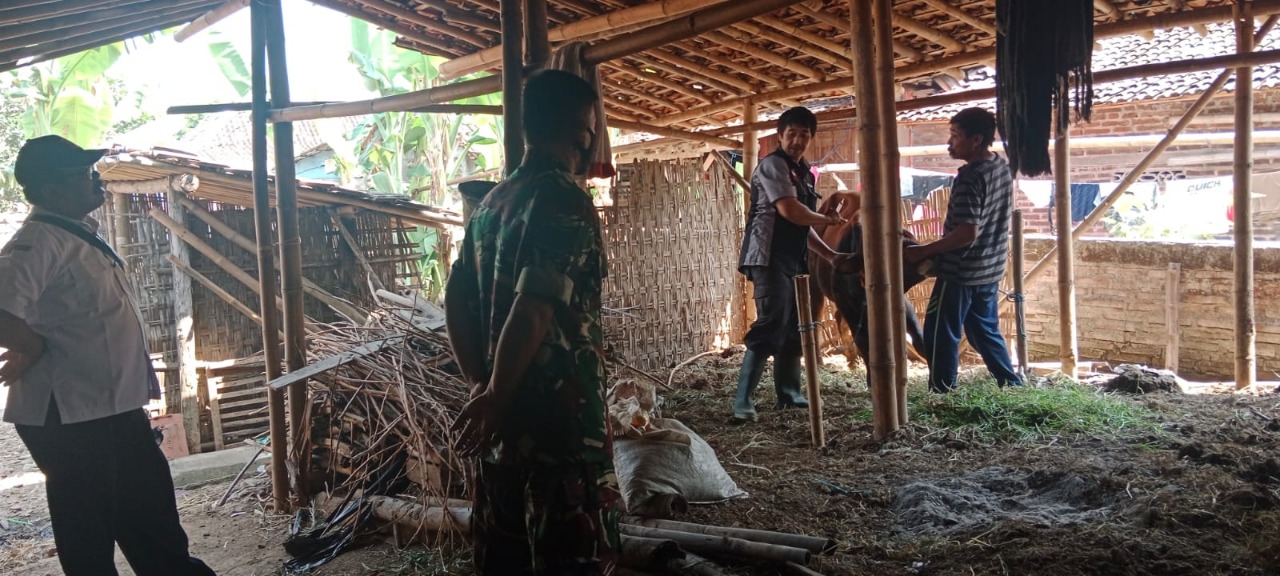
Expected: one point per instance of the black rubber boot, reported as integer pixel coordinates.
(786, 381)
(744, 406)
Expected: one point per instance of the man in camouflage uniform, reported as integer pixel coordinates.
(523, 306)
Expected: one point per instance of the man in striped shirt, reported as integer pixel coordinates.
(969, 259)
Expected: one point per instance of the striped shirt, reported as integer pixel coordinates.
(982, 195)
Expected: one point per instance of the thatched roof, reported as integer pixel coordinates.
(698, 82)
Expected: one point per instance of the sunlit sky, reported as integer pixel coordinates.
(174, 73)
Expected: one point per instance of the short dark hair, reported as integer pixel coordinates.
(800, 117)
(551, 99)
(976, 122)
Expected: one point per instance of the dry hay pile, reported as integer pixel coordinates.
(380, 424)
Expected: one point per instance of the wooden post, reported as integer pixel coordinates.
(1069, 349)
(880, 369)
(295, 333)
(882, 11)
(512, 82)
(809, 344)
(1173, 327)
(750, 157)
(1242, 172)
(1019, 261)
(184, 320)
(266, 259)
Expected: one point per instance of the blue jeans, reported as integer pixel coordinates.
(976, 310)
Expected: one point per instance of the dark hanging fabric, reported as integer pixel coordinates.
(1044, 51)
(1084, 198)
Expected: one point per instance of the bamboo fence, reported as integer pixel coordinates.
(672, 236)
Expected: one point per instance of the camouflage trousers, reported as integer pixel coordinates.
(546, 520)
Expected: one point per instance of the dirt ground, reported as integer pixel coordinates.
(1196, 493)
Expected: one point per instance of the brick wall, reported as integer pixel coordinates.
(1120, 291)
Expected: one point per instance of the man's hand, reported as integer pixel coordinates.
(915, 254)
(834, 219)
(845, 263)
(908, 235)
(15, 365)
(477, 426)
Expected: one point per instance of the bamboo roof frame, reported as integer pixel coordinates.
(710, 56)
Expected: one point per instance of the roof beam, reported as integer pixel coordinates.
(73, 25)
(662, 82)
(840, 50)
(691, 48)
(947, 42)
(399, 13)
(627, 17)
(842, 25)
(746, 47)
(794, 42)
(439, 45)
(663, 60)
(959, 14)
(1116, 75)
(673, 133)
(688, 26)
(614, 85)
(19, 14)
(398, 103)
(759, 98)
(210, 18)
(11, 59)
(1182, 5)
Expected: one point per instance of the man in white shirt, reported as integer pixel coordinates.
(78, 374)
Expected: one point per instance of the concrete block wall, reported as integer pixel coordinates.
(1121, 310)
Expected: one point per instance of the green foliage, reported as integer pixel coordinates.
(1028, 413)
(229, 61)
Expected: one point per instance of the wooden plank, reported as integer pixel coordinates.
(215, 412)
(1172, 296)
(333, 362)
(183, 317)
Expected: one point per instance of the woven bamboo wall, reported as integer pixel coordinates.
(672, 237)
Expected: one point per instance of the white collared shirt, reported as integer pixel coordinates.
(75, 296)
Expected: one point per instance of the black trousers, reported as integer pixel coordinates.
(776, 329)
(108, 483)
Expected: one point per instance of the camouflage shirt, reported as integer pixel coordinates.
(537, 233)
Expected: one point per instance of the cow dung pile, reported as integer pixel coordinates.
(1136, 379)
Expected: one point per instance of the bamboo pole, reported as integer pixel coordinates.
(750, 154)
(1246, 337)
(809, 344)
(18, 11)
(688, 26)
(810, 543)
(883, 13)
(537, 43)
(210, 18)
(1069, 350)
(71, 26)
(358, 252)
(1134, 173)
(674, 133)
(214, 288)
(1115, 75)
(796, 39)
(959, 14)
(713, 544)
(342, 307)
(399, 102)
(421, 41)
(63, 45)
(880, 369)
(643, 13)
(1019, 261)
(641, 77)
(1173, 326)
(746, 46)
(266, 287)
(426, 22)
(946, 42)
(512, 76)
(295, 334)
(173, 183)
(704, 74)
(691, 49)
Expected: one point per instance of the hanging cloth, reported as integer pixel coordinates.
(1084, 198)
(569, 59)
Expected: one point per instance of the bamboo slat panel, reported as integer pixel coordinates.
(672, 236)
(237, 402)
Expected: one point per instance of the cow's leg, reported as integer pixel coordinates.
(915, 332)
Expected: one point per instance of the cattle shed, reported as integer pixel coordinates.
(693, 72)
